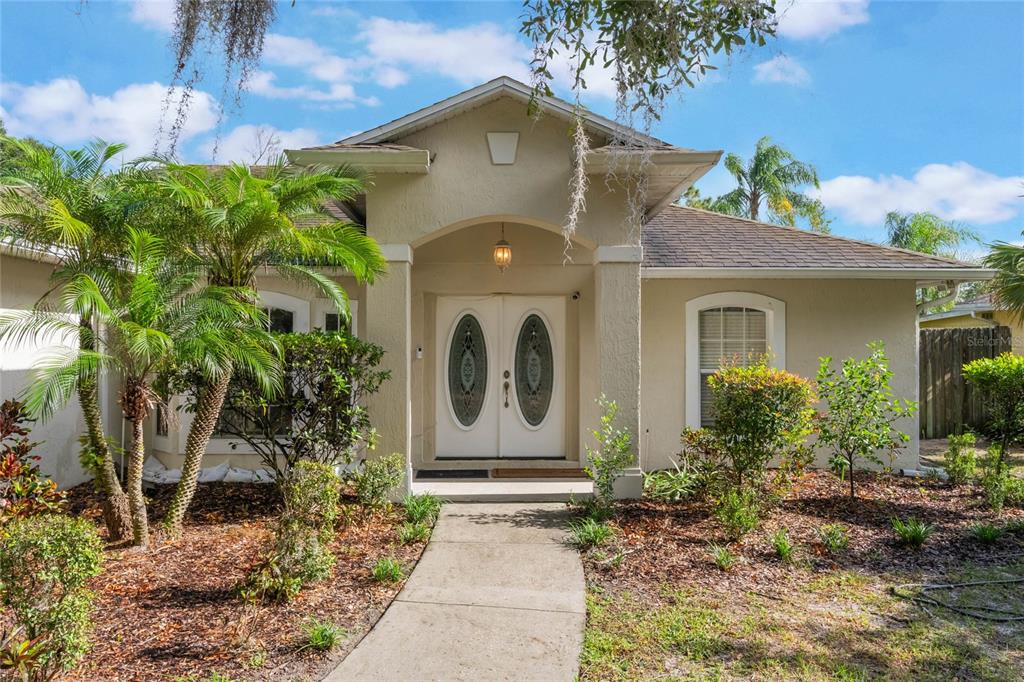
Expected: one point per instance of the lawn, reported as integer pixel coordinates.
(659, 607)
(172, 613)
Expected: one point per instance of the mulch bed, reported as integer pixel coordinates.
(171, 611)
(667, 544)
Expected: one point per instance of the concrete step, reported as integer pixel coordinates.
(505, 490)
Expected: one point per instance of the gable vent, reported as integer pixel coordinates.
(503, 148)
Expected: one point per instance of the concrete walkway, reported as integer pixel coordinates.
(497, 595)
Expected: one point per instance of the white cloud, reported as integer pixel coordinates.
(805, 19)
(250, 143)
(155, 14)
(62, 112)
(781, 69)
(957, 191)
(469, 55)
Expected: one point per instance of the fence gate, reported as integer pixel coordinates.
(948, 404)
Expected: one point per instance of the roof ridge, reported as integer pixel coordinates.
(833, 237)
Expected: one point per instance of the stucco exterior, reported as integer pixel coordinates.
(832, 317)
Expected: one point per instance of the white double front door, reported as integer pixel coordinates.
(500, 376)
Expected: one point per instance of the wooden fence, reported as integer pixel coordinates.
(948, 405)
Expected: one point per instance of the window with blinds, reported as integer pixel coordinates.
(728, 335)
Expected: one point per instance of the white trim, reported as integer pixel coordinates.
(775, 333)
(621, 253)
(963, 310)
(937, 274)
(503, 85)
(396, 253)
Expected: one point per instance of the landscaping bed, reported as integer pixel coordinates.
(659, 607)
(171, 612)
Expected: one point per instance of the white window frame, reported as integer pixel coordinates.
(298, 307)
(775, 335)
(326, 307)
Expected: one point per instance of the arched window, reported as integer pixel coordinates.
(728, 327)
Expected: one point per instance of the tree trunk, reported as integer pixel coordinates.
(116, 514)
(207, 413)
(136, 499)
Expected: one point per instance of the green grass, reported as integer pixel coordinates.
(322, 635)
(413, 532)
(588, 532)
(839, 625)
(422, 509)
(387, 570)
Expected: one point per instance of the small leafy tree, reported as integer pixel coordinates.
(606, 462)
(961, 460)
(44, 564)
(861, 411)
(1001, 383)
(321, 415)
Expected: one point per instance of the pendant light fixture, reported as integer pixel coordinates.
(502, 252)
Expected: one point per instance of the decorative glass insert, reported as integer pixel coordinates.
(535, 370)
(467, 370)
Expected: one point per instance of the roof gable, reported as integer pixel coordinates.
(502, 86)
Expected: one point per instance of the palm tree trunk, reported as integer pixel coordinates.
(207, 413)
(136, 499)
(115, 506)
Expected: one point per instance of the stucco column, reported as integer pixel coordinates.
(617, 318)
(388, 323)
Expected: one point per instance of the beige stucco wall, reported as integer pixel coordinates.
(1000, 317)
(22, 283)
(823, 317)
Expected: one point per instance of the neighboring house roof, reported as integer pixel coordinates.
(683, 241)
(983, 303)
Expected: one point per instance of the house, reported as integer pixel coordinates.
(498, 368)
(979, 311)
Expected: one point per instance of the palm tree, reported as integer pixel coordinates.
(926, 233)
(154, 315)
(1008, 284)
(64, 204)
(770, 181)
(233, 223)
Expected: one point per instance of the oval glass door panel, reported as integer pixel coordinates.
(534, 370)
(467, 370)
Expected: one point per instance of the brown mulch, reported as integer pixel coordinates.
(667, 543)
(171, 612)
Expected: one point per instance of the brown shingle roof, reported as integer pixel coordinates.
(683, 237)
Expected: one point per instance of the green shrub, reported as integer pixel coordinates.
(24, 490)
(738, 512)
(722, 557)
(608, 461)
(322, 635)
(422, 508)
(861, 413)
(961, 459)
(300, 552)
(589, 532)
(912, 532)
(986, 533)
(321, 417)
(671, 485)
(782, 545)
(413, 532)
(995, 479)
(387, 570)
(44, 564)
(1000, 381)
(1014, 491)
(1015, 526)
(379, 478)
(834, 537)
(760, 413)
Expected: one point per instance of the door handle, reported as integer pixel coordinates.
(506, 393)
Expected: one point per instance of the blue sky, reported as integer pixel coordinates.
(906, 106)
